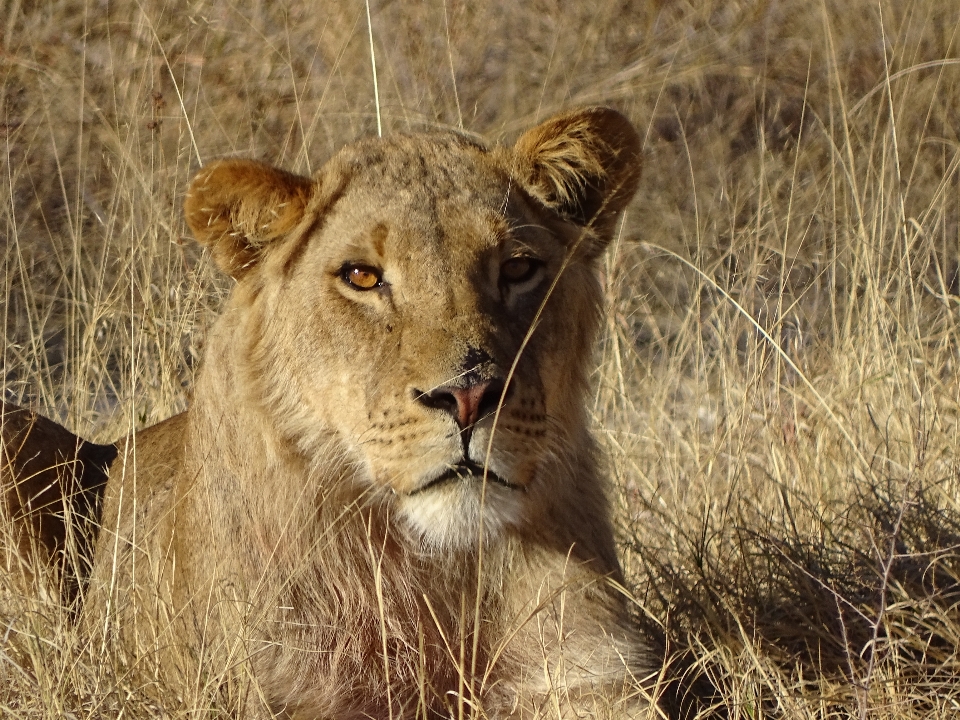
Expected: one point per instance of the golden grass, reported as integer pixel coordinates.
(778, 387)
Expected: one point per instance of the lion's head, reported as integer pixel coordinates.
(424, 307)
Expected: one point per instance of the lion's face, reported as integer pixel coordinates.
(429, 304)
(416, 305)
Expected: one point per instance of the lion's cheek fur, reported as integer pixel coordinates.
(286, 364)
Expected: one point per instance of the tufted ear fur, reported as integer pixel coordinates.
(584, 164)
(238, 207)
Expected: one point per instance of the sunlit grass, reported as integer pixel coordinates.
(778, 386)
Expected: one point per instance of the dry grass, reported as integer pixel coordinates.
(779, 384)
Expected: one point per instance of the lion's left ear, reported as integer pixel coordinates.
(584, 164)
(238, 207)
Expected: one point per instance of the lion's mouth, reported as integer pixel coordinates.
(465, 470)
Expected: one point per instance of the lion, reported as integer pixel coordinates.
(384, 499)
(51, 483)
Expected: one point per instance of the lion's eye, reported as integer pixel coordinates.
(519, 269)
(361, 277)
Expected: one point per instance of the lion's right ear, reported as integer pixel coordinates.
(238, 207)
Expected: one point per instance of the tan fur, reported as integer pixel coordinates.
(288, 524)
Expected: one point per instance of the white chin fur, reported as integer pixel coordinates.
(449, 517)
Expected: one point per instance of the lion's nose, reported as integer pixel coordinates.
(467, 404)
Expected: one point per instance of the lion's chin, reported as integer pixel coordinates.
(457, 510)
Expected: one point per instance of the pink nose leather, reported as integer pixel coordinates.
(468, 403)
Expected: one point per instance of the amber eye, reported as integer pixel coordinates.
(519, 269)
(361, 277)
